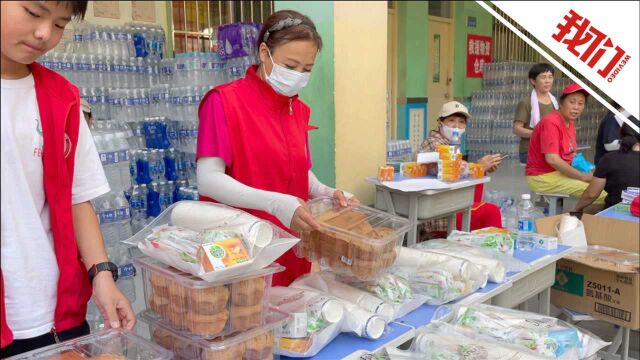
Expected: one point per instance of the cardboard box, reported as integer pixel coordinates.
(601, 289)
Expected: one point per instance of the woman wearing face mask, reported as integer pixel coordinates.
(253, 148)
(553, 146)
(452, 119)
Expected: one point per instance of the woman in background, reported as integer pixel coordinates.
(615, 171)
(532, 108)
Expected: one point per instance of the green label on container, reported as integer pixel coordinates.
(569, 282)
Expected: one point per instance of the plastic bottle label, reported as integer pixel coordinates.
(525, 225)
(123, 214)
(106, 217)
(126, 271)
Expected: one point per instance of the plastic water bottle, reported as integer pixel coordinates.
(144, 167)
(153, 200)
(455, 137)
(170, 166)
(525, 223)
(123, 217)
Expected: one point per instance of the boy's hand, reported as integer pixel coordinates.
(113, 305)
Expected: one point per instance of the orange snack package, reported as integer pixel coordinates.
(222, 254)
(385, 173)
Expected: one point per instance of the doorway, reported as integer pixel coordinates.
(439, 66)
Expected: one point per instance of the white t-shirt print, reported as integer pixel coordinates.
(29, 265)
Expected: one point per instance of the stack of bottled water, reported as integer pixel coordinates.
(102, 40)
(238, 46)
(113, 141)
(198, 68)
(131, 40)
(110, 71)
(398, 151)
(490, 129)
(148, 40)
(98, 98)
(493, 110)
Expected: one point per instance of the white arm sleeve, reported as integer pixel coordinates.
(214, 183)
(612, 146)
(318, 189)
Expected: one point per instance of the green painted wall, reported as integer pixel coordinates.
(463, 86)
(320, 91)
(411, 56)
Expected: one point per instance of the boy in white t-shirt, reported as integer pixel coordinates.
(53, 255)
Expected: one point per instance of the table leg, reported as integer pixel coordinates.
(388, 201)
(466, 220)
(625, 344)
(413, 220)
(544, 303)
(451, 223)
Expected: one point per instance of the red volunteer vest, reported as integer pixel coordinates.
(268, 133)
(59, 106)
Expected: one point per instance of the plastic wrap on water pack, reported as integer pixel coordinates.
(543, 335)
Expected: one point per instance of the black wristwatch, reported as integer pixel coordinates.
(105, 266)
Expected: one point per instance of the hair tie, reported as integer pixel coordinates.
(282, 24)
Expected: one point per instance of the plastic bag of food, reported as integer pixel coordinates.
(441, 341)
(366, 315)
(314, 320)
(543, 335)
(327, 283)
(496, 264)
(494, 241)
(394, 288)
(441, 278)
(211, 241)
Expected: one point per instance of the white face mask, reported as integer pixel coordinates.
(284, 81)
(448, 132)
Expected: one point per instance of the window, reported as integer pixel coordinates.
(195, 23)
(440, 9)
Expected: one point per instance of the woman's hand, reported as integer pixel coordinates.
(339, 196)
(490, 163)
(113, 305)
(302, 220)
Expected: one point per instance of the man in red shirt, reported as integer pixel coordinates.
(553, 146)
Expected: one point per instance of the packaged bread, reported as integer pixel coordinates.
(257, 343)
(357, 240)
(201, 309)
(111, 344)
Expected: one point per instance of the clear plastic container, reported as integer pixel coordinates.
(256, 344)
(201, 309)
(357, 239)
(114, 344)
(619, 258)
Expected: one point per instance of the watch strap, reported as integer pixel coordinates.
(103, 266)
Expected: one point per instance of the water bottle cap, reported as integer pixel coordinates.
(526, 196)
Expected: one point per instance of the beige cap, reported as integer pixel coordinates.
(453, 107)
(84, 105)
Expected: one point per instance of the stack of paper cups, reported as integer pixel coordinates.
(361, 298)
(199, 216)
(362, 322)
(408, 257)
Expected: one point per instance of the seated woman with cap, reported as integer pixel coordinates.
(553, 146)
(452, 118)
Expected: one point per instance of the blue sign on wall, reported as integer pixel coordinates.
(471, 21)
